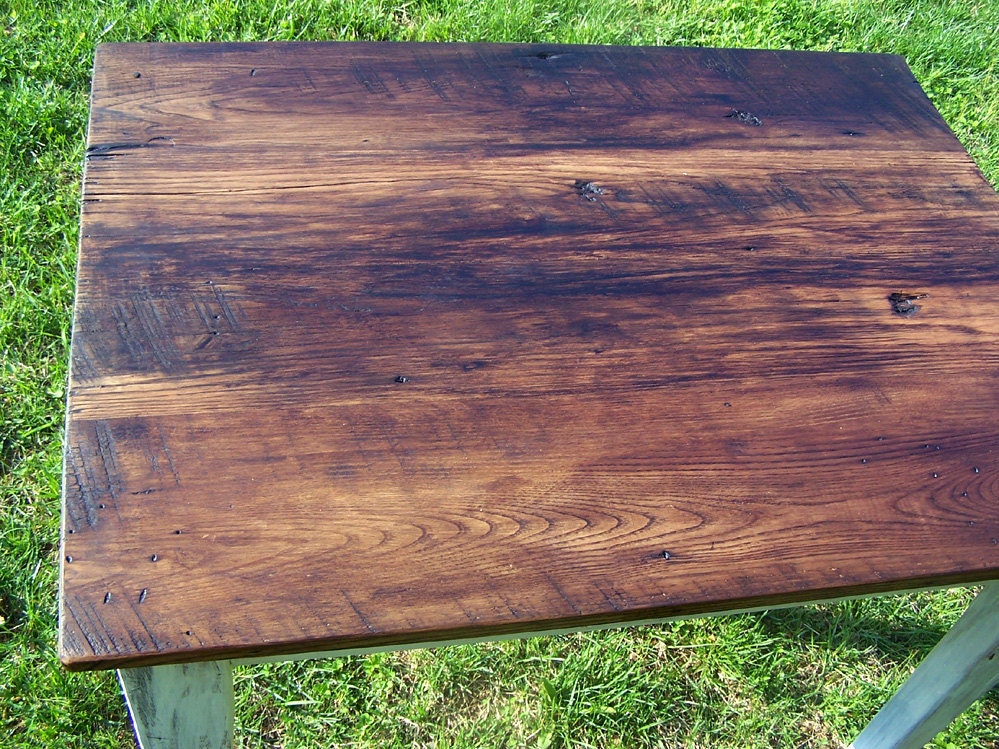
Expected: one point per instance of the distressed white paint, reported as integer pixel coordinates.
(190, 706)
(187, 706)
(959, 670)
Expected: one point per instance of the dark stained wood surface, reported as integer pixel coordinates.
(386, 343)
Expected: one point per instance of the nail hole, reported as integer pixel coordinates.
(154, 558)
(177, 532)
(401, 379)
(746, 118)
(665, 554)
(69, 559)
(136, 74)
(107, 597)
(143, 594)
(903, 303)
(588, 190)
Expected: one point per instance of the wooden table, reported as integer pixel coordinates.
(381, 345)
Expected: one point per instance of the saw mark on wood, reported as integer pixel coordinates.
(97, 636)
(635, 97)
(360, 615)
(227, 312)
(153, 331)
(92, 463)
(427, 65)
(368, 77)
(107, 450)
(555, 586)
(153, 641)
(82, 488)
(141, 329)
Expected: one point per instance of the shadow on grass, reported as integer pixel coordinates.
(894, 629)
(895, 633)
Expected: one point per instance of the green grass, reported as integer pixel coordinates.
(808, 677)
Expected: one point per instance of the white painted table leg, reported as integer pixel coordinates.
(187, 706)
(959, 670)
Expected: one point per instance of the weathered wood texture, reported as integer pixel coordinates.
(382, 343)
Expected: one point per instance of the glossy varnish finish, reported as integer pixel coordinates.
(402, 343)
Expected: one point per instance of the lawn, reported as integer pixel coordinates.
(806, 677)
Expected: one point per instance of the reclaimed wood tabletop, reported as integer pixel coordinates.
(405, 343)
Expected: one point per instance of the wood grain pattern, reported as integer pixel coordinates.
(382, 343)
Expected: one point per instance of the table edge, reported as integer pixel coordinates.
(392, 641)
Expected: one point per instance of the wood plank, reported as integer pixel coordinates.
(384, 343)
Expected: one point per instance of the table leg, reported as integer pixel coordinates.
(183, 706)
(959, 670)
